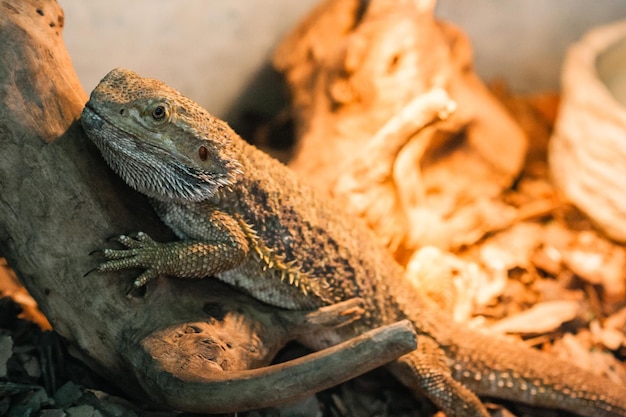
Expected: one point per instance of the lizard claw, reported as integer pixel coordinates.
(90, 271)
(112, 238)
(134, 292)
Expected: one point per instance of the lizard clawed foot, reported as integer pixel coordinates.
(140, 251)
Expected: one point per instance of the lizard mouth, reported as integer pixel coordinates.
(105, 134)
(94, 121)
(91, 117)
(99, 128)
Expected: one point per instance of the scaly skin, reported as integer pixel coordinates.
(244, 218)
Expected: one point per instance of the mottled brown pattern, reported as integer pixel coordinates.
(244, 218)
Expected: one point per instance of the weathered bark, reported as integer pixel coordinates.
(59, 202)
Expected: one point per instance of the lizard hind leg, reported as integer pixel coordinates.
(425, 370)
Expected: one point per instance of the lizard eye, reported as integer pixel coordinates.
(203, 153)
(159, 113)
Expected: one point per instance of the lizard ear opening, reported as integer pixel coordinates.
(203, 153)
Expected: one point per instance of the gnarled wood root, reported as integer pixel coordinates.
(189, 345)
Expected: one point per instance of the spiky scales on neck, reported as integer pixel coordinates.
(190, 170)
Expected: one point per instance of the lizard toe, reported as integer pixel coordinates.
(119, 260)
(119, 254)
(145, 238)
(147, 276)
(140, 240)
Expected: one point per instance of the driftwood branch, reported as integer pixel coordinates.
(59, 202)
(299, 377)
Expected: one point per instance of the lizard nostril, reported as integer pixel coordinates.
(122, 112)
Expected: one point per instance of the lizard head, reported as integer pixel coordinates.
(161, 143)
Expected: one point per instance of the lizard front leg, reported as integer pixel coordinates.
(263, 268)
(215, 245)
(183, 259)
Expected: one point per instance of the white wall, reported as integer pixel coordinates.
(524, 41)
(207, 49)
(211, 50)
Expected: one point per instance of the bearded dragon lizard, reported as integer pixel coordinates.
(245, 219)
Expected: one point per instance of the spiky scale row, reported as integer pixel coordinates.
(287, 271)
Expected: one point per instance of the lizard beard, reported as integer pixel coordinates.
(149, 169)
